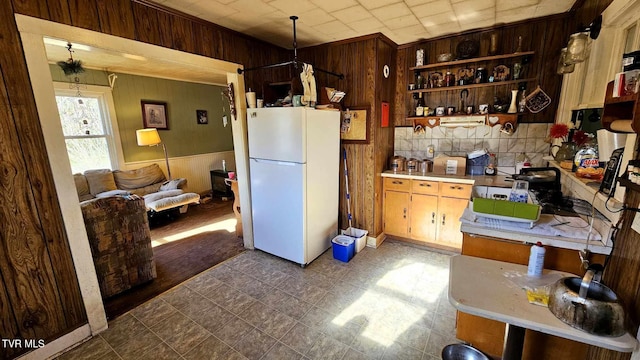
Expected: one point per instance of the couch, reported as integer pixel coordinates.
(120, 241)
(148, 182)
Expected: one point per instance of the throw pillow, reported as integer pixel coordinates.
(82, 187)
(173, 184)
(100, 181)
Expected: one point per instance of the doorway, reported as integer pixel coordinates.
(32, 31)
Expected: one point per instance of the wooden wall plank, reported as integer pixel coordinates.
(59, 11)
(183, 39)
(203, 40)
(152, 26)
(37, 9)
(84, 14)
(36, 263)
(116, 18)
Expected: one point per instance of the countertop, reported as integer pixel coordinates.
(477, 180)
(490, 230)
(488, 288)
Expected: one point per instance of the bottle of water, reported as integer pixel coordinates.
(536, 260)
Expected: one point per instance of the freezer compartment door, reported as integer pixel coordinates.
(277, 199)
(277, 134)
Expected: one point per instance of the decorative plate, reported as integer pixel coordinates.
(501, 73)
(467, 49)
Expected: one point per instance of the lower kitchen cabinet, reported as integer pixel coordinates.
(425, 211)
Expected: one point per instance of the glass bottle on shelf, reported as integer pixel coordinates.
(522, 104)
(420, 106)
(419, 80)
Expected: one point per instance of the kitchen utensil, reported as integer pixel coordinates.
(462, 352)
(537, 100)
(412, 165)
(507, 129)
(545, 177)
(397, 163)
(426, 166)
(587, 305)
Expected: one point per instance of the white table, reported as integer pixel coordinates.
(479, 287)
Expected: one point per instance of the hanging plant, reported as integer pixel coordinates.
(71, 67)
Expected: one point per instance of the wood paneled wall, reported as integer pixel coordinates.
(546, 36)
(39, 293)
(585, 11)
(361, 61)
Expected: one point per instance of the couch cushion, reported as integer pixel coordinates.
(173, 184)
(161, 195)
(100, 181)
(82, 187)
(139, 178)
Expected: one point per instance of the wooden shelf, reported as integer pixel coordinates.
(620, 108)
(473, 60)
(502, 118)
(472, 86)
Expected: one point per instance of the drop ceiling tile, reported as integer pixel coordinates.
(446, 18)
(504, 5)
(375, 4)
(367, 25)
(391, 11)
(292, 7)
(414, 3)
(548, 7)
(332, 27)
(354, 13)
(442, 29)
(472, 5)
(402, 22)
(432, 8)
(476, 16)
(515, 14)
(477, 24)
(334, 5)
(315, 17)
(413, 30)
(252, 7)
(223, 2)
(204, 8)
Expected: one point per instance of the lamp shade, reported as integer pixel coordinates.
(147, 137)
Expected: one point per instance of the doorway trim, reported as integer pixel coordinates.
(32, 31)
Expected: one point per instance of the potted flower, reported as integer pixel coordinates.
(571, 141)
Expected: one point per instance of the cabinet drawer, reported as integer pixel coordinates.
(424, 187)
(397, 184)
(462, 191)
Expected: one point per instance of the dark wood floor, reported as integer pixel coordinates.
(179, 260)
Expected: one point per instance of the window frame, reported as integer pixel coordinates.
(108, 111)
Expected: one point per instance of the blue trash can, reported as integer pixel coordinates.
(344, 247)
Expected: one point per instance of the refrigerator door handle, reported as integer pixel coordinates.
(276, 162)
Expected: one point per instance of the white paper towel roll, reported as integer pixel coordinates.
(251, 99)
(609, 141)
(622, 126)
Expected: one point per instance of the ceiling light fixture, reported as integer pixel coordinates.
(293, 62)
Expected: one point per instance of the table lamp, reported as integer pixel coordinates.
(150, 137)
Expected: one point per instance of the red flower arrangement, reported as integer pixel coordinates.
(559, 131)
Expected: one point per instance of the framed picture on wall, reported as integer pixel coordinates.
(354, 125)
(201, 117)
(154, 115)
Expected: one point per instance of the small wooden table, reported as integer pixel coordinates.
(479, 287)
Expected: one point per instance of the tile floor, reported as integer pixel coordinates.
(386, 303)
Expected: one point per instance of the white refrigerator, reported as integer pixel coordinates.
(294, 159)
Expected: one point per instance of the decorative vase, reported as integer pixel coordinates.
(567, 151)
(513, 108)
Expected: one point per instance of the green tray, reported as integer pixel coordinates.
(509, 210)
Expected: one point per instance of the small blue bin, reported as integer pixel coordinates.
(344, 247)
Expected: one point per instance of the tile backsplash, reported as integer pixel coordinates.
(528, 138)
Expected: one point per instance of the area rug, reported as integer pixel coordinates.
(181, 259)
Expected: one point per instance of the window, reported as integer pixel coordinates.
(89, 133)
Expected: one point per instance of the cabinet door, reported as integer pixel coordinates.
(424, 217)
(450, 210)
(396, 213)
